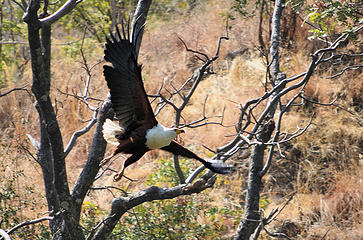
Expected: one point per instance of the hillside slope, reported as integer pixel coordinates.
(322, 168)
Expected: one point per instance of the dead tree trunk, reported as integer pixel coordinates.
(50, 149)
(251, 217)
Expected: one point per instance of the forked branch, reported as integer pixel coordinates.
(121, 205)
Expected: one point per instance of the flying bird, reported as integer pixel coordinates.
(137, 130)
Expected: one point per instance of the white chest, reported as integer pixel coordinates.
(159, 136)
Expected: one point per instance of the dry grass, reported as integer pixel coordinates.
(324, 166)
(338, 213)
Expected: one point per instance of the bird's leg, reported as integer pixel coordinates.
(133, 158)
(106, 160)
(117, 177)
(119, 149)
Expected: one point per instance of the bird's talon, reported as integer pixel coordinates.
(117, 177)
(105, 160)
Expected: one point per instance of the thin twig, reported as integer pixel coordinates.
(23, 88)
(332, 103)
(79, 133)
(29, 222)
(276, 234)
(270, 219)
(93, 230)
(194, 51)
(108, 188)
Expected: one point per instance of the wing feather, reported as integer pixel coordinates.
(128, 96)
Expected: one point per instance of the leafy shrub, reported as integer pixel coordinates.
(185, 217)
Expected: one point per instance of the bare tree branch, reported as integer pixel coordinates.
(122, 204)
(29, 222)
(94, 229)
(23, 88)
(265, 221)
(138, 22)
(195, 79)
(332, 103)
(85, 99)
(61, 12)
(276, 234)
(79, 133)
(194, 51)
(4, 235)
(23, 5)
(274, 96)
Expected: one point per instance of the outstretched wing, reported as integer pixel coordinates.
(213, 165)
(128, 96)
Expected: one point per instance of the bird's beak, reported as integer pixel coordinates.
(179, 131)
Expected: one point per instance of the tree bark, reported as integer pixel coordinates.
(1, 25)
(138, 22)
(51, 150)
(260, 29)
(97, 152)
(251, 217)
(275, 39)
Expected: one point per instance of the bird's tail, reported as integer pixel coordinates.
(218, 166)
(111, 130)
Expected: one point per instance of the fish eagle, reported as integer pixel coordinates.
(136, 130)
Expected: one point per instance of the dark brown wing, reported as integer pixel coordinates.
(128, 96)
(214, 165)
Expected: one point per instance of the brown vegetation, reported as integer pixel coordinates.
(324, 166)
